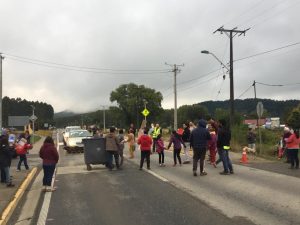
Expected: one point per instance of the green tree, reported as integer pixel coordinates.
(192, 113)
(130, 99)
(294, 118)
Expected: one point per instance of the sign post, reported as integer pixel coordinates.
(33, 118)
(259, 110)
(145, 112)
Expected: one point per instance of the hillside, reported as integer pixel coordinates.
(273, 108)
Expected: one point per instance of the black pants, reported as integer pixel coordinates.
(48, 174)
(161, 157)
(220, 152)
(145, 155)
(154, 144)
(293, 156)
(3, 175)
(23, 158)
(199, 154)
(176, 154)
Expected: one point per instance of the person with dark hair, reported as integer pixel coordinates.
(292, 144)
(160, 150)
(186, 135)
(49, 154)
(176, 140)
(145, 141)
(112, 148)
(199, 138)
(5, 161)
(27, 136)
(23, 152)
(121, 149)
(223, 144)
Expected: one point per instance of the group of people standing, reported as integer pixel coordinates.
(212, 136)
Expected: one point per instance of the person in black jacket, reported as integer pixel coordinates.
(5, 160)
(186, 135)
(199, 138)
(223, 145)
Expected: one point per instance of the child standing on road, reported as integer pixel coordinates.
(176, 141)
(131, 143)
(145, 141)
(160, 150)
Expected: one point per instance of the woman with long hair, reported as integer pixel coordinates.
(292, 144)
(49, 154)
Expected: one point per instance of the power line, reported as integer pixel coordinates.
(85, 70)
(245, 91)
(79, 67)
(271, 85)
(269, 51)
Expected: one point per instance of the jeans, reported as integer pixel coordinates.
(176, 154)
(199, 154)
(48, 174)
(220, 152)
(226, 161)
(110, 159)
(293, 156)
(5, 176)
(145, 154)
(186, 151)
(161, 157)
(23, 158)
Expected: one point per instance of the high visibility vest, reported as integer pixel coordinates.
(156, 132)
(226, 147)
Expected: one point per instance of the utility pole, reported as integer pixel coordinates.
(1, 58)
(254, 85)
(231, 34)
(175, 71)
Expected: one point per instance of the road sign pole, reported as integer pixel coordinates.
(259, 110)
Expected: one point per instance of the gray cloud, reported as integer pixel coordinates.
(142, 34)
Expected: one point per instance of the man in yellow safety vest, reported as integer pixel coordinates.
(157, 130)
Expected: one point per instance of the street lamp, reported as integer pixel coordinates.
(231, 84)
(208, 52)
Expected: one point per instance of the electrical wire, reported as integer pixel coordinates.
(245, 91)
(42, 62)
(265, 52)
(271, 85)
(85, 70)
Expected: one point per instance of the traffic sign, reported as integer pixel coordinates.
(259, 109)
(33, 118)
(145, 112)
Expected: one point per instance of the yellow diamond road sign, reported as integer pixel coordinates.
(145, 112)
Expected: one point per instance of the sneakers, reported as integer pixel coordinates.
(160, 165)
(10, 185)
(194, 173)
(224, 173)
(203, 173)
(214, 165)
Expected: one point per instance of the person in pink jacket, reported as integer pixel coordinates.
(292, 144)
(160, 150)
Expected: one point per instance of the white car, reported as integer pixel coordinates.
(67, 130)
(74, 140)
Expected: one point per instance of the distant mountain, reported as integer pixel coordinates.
(273, 108)
(63, 114)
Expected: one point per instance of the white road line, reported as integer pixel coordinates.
(46, 204)
(157, 176)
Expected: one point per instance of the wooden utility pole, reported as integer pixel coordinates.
(231, 34)
(175, 70)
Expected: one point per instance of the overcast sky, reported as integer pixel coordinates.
(134, 38)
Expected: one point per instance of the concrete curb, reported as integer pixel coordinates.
(17, 197)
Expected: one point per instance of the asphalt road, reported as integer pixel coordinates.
(124, 197)
(170, 195)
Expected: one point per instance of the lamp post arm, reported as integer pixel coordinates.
(219, 60)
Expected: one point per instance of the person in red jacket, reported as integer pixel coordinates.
(49, 154)
(145, 142)
(292, 144)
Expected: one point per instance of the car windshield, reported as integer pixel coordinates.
(80, 133)
(68, 129)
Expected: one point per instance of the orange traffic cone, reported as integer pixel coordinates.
(244, 158)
